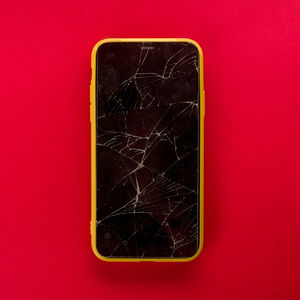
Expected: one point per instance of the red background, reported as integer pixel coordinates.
(252, 189)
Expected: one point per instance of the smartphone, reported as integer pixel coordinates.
(147, 121)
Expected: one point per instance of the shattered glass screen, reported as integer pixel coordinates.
(147, 149)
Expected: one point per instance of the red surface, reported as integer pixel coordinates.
(252, 191)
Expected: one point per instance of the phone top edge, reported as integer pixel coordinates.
(121, 40)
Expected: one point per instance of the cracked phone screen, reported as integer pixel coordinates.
(147, 149)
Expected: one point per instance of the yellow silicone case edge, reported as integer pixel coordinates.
(93, 149)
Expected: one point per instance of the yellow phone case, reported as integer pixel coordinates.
(93, 148)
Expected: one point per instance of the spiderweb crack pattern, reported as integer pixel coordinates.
(147, 150)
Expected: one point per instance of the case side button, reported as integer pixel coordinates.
(203, 106)
(91, 107)
(91, 111)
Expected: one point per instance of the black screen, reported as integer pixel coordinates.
(147, 149)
